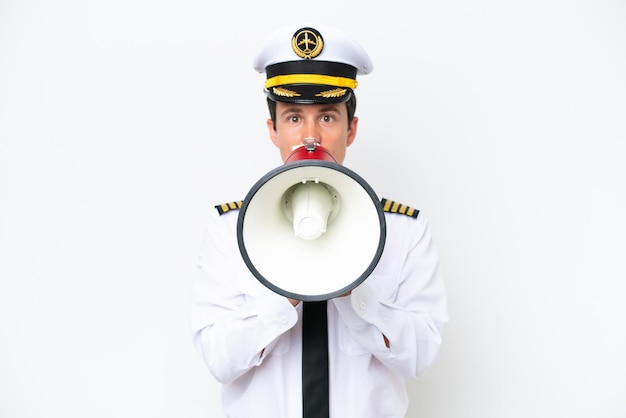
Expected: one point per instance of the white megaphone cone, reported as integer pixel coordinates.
(311, 229)
(311, 203)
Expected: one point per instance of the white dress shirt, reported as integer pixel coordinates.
(250, 337)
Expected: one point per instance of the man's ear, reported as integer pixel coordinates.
(352, 131)
(272, 132)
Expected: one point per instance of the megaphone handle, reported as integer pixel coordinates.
(315, 398)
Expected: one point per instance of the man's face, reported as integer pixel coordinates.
(327, 123)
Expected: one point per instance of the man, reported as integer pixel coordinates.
(387, 329)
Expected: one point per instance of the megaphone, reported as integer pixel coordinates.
(311, 229)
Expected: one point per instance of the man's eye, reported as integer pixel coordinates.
(294, 118)
(327, 118)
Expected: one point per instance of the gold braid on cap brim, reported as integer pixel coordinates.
(328, 80)
(328, 94)
(283, 92)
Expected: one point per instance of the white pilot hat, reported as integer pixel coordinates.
(311, 64)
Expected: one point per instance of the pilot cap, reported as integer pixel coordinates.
(311, 64)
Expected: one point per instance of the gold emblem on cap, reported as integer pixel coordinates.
(307, 43)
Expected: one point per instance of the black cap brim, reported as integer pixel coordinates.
(309, 93)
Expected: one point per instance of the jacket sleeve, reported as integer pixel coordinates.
(235, 320)
(412, 315)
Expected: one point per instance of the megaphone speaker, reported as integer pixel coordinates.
(311, 229)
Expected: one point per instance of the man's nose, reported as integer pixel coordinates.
(311, 131)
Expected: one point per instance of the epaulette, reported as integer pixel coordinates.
(395, 207)
(225, 207)
(388, 206)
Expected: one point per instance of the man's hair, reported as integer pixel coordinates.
(350, 105)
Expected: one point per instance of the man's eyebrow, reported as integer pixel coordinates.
(298, 110)
(291, 109)
(329, 109)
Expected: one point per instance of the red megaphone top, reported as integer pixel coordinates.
(310, 150)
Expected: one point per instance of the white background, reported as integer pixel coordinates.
(123, 122)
